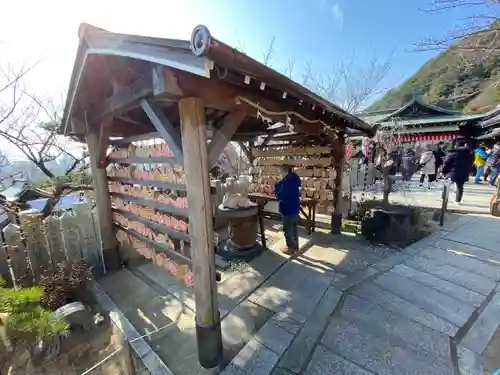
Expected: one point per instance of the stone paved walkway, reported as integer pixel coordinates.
(430, 309)
(475, 199)
(341, 307)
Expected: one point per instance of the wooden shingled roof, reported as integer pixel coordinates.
(114, 71)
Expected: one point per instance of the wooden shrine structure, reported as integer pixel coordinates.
(490, 127)
(418, 121)
(195, 96)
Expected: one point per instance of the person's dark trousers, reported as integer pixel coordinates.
(460, 191)
(431, 177)
(487, 172)
(291, 230)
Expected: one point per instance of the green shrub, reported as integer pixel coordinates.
(26, 319)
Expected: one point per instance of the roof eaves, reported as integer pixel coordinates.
(203, 44)
(168, 52)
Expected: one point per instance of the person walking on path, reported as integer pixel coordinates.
(439, 156)
(480, 157)
(428, 165)
(287, 192)
(494, 163)
(408, 164)
(457, 167)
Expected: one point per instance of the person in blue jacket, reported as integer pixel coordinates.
(287, 192)
(480, 157)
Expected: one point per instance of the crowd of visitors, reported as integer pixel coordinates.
(455, 163)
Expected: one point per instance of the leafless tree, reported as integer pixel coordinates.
(267, 55)
(353, 86)
(289, 69)
(482, 25)
(31, 125)
(240, 44)
(475, 40)
(308, 77)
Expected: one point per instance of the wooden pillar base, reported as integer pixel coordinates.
(112, 260)
(209, 339)
(336, 225)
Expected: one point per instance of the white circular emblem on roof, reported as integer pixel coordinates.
(200, 38)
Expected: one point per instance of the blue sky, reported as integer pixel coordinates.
(324, 33)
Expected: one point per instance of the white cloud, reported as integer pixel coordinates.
(337, 13)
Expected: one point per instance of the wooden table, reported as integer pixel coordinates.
(263, 199)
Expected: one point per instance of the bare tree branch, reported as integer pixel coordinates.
(267, 56)
(31, 124)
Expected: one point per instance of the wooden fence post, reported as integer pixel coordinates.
(20, 271)
(103, 204)
(196, 167)
(52, 229)
(336, 220)
(32, 228)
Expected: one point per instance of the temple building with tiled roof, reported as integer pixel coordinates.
(418, 121)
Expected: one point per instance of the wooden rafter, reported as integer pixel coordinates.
(224, 134)
(268, 139)
(125, 98)
(246, 151)
(165, 128)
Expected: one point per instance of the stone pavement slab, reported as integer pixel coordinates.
(295, 285)
(464, 262)
(482, 232)
(354, 278)
(453, 290)
(240, 325)
(492, 257)
(274, 337)
(471, 281)
(483, 329)
(469, 363)
(302, 346)
(324, 362)
(391, 261)
(379, 354)
(253, 359)
(383, 322)
(427, 298)
(386, 299)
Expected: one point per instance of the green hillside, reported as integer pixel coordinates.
(461, 78)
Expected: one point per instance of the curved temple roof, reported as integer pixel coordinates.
(107, 61)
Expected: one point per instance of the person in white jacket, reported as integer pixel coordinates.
(428, 165)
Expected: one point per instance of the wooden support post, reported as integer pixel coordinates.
(336, 222)
(196, 167)
(164, 128)
(223, 135)
(268, 139)
(103, 202)
(247, 151)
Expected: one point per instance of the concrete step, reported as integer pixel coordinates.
(394, 303)
(426, 298)
(148, 311)
(380, 353)
(398, 328)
